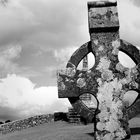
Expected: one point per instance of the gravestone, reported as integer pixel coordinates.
(86, 98)
(108, 80)
(73, 116)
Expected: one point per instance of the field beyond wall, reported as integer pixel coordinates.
(61, 131)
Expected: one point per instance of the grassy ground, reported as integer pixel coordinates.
(61, 131)
(53, 131)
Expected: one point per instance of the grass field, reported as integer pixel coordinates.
(61, 131)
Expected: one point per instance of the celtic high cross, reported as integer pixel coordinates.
(108, 80)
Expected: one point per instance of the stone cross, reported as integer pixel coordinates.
(108, 80)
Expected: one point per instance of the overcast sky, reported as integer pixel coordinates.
(37, 37)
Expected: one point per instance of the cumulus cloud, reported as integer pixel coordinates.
(63, 55)
(16, 22)
(19, 95)
(11, 52)
(7, 57)
(39, 22)
(129, 21)
(7, 113)
(11, 57)
(136, 2)
(55, 29)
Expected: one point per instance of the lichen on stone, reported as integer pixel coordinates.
(120, 134)
(115, 45)
(110, 97)
(120, 67)
(107, 75)
(100, 126)
(99, 80)
(61, 86)
(81, 82)
(108, 136)
(70, 72)
(101, 48)
(95, 42)
(103, 64)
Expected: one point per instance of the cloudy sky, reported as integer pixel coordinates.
(37, 37)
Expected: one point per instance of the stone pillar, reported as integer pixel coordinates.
(112, 119)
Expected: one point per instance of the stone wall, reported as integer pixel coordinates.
(26, 123)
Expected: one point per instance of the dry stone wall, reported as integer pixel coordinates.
(26, 123)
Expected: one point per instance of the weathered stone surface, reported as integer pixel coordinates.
(82, 82)
(97, 4)
(102, 15)
(108, 80)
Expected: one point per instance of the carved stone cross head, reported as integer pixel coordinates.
(108, 80)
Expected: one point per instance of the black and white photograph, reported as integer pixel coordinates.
(69, 69)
